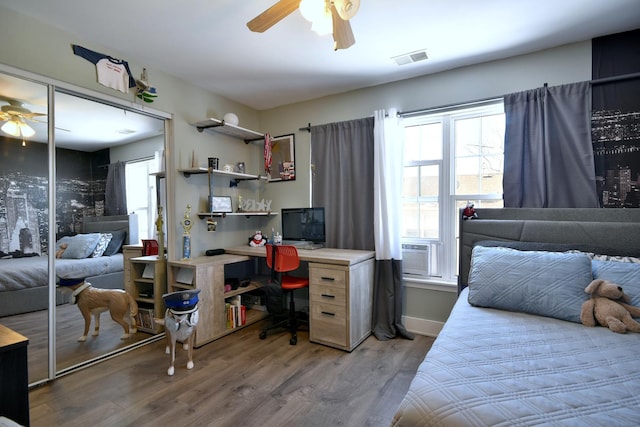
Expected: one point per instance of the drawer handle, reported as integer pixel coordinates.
(326, 313)
(328, 296)
(328, 278)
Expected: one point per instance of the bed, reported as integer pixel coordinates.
(24, 281)
(512, 352)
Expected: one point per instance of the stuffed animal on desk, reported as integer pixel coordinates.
(258, 239)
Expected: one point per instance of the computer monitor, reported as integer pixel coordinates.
(303, 224)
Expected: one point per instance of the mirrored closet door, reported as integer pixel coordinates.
(24, 207)
(56, 200)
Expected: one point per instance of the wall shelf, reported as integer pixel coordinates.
(219, 126)
(187, 172)
(203, 215)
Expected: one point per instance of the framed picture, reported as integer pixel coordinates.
(220, 204)
(283, 160)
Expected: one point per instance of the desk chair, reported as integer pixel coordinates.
(282, 259)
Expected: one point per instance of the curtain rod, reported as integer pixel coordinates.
(494, 99)
(449, 106)
(308, 128)
(615, 78)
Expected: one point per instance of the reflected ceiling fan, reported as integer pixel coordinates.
(326, 16)
(16, 116)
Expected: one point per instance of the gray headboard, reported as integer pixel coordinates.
(100, 224)
(615, 230)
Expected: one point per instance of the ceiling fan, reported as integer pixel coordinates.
(16, 116)
(326, 16)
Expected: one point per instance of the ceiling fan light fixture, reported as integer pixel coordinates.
(11, 128)
(17, 127)
(317, 12)
(312, 10)
(323, 25)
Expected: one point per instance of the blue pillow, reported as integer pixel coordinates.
(117, 240)
(547, 284)
(104, 240)
(81, 246)
(625, 274)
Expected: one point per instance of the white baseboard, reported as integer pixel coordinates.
(419, 326)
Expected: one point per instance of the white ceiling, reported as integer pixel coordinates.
(207, 42)
(80, 124)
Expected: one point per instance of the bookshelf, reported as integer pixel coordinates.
(208, 274)
(147, 284)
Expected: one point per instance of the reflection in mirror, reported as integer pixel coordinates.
(93, 143)
(283, 158)
(24, 200)
(105, 160)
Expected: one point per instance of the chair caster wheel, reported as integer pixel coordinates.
(263, 335)
(293, 341)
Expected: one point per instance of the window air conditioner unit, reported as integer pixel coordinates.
(415, 259)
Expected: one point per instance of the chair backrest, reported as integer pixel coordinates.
(286, 258)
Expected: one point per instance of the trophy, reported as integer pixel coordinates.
(160, 231)
(186, 235)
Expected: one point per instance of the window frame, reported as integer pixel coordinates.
(448, 201)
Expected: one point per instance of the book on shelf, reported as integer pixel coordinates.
(149, 271)
(185, 275)
(236, 312)
(144, 318)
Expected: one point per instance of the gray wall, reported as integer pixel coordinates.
(47, 51)
(426, 305)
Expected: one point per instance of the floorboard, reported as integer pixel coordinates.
(238, 380)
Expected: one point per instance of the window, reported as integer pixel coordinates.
(451, 157)
(142, 195)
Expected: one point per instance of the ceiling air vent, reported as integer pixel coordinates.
(408, 58)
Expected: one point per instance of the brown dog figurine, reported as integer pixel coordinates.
(608, 306)
(94, 301)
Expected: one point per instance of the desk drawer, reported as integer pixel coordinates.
(327, 276)
(328, 324)
(328, 295)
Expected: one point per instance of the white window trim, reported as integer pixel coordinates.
(447, 199)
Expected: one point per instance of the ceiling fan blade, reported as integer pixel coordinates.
(342, 34)
(273, 15)
(32, 115)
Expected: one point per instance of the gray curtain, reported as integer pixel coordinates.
(548, 156)
(115, 199)
(342, 183)
(344, 172)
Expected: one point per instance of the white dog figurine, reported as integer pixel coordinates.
(180, 320)
(93, 301)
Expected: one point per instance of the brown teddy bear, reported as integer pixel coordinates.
(60, 251)
(608, 307)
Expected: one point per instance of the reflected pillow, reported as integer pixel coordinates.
(117, 240)
(105, 238)
(547, 284)
(81, 246)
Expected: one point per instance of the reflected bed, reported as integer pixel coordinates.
(24, 281)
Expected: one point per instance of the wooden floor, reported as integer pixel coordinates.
(238, 380)
(69, 326)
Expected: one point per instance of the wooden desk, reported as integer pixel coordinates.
(340, 293)
(207, 274)
(14, 381)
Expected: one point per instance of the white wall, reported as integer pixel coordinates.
(47, 51)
